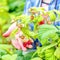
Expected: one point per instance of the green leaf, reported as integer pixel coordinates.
(52, 16)
(36, 58)
(19, 52)
(4, 17)
(57, 52)
(49, 52)
(47, 32)
(46, 26)
(49, 46)
(51, 58)
(20, 58)
(28, 55)
(9, 57)
(2, 52)
(7, 48)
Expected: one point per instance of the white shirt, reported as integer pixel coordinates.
(45, 5)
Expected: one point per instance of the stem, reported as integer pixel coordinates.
(1, 35)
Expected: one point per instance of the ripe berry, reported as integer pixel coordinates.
(41, 22)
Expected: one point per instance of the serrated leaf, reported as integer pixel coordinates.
(57, 53)
(36, 58)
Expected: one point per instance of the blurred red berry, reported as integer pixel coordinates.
(41, 22)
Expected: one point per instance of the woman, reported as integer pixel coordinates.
(48, 4)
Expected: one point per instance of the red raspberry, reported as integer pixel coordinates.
(25, 44)
(29, 42)
(41, 22)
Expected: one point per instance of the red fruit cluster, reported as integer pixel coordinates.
(41, 22)
(27, 43)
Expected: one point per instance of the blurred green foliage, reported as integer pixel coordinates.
(16, 6)
(8, 10)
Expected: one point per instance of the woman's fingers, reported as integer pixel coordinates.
(11, 28)
(16, 44)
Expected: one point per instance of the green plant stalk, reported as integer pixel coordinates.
(1, 35)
